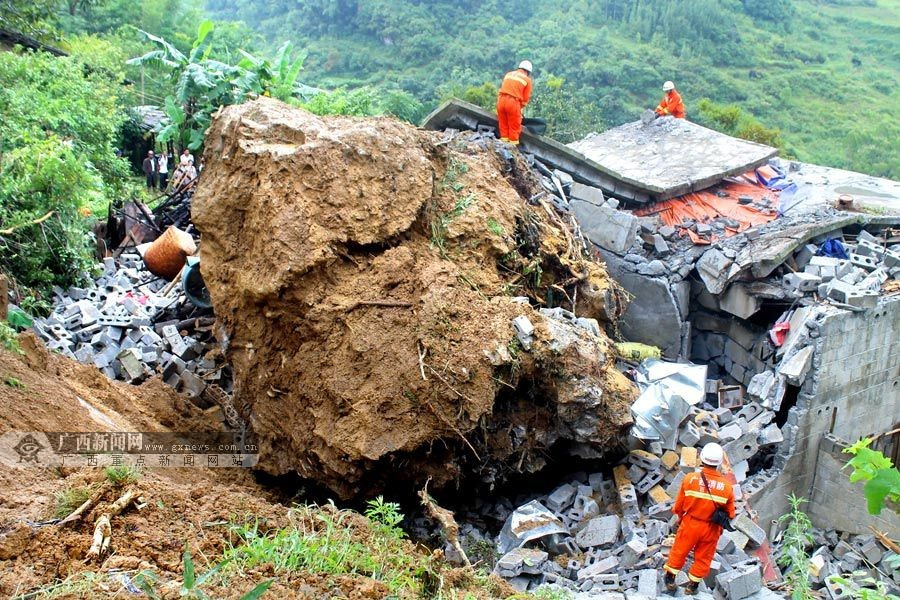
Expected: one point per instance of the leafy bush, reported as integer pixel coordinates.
(57, 137)
(881, 476)
(733, 120)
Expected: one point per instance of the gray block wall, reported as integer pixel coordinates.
(836, 503)
(853, 391)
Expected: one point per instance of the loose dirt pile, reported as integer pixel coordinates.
(364, 275)
(193, 508)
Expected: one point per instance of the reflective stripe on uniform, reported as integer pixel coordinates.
(705, 496)
(694, 578)
(518, 78)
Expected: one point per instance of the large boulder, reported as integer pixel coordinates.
(363, 276)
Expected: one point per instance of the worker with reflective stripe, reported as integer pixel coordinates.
(671, 104)
(515, 92)
(697, 500)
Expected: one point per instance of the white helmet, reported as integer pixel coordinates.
(712, 454)
(668, 86)
(525, 64)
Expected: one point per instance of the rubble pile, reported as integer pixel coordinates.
(854, 281)
(366, 276)
(849, 566)
(130, 324)
(611, 532)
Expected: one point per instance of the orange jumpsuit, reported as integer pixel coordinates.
(515, 92)
(671, 104)
(694, 507)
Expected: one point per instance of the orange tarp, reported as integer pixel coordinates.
(708, 205)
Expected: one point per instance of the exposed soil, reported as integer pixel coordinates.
(363, 273)
(180, 506)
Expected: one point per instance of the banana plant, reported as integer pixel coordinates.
(201, 85)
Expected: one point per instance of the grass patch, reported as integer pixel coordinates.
(80, 585)
(495, 227)
(326, 540)
(69, 499)
(122, 475)
(13, 382)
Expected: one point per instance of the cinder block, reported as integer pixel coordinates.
(599, 532)
(561, 498)
(649, 481)
(802, 282)
(689, 458)
(742, 448)
(754, 532)
(643, 459)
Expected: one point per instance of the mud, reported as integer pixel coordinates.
(195, 508)
(363, 275)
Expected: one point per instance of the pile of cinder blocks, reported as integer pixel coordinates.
(125, 324)
(620, 525)
(854, 281)
(860, 561)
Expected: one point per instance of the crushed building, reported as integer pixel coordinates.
(781, 278)
(408, 306)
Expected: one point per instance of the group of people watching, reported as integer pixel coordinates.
(156, 170)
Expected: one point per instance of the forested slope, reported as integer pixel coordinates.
(824, 73)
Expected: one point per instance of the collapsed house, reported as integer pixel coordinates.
(399, 305)
(771, 273)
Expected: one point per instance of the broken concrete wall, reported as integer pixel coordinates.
(853, 391)
(736, 347)
(836, 503)
(361, 275)
(657, 310)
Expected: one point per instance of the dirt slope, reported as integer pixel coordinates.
(182, 506)
(364, 274)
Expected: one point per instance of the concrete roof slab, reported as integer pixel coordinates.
(670, 157)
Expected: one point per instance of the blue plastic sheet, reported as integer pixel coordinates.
(833, 248)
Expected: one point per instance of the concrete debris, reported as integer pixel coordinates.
(621, 548)
(132, 325)
(860, 562)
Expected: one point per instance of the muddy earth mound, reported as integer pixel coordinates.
(366, 276)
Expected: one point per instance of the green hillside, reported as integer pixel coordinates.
(824, 73)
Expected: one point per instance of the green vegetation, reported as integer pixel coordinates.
(122, 475)
(323, 541)
(875, 589)
(69, 499)
(822, 73)
(57, 139)
(794, 557)
(8, 339)
(13, 382)
(881, 476)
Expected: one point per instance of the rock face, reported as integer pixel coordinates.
(363, 279)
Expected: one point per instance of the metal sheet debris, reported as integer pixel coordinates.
(528, 522)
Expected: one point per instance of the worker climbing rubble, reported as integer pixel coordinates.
(671, 105)
(514, 94)
(705, 504)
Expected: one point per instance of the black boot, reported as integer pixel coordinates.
(670, 582)
(691, 588)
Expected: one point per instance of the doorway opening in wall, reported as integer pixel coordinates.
(787, 403)
(769, 312)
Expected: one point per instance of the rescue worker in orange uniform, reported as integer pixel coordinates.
(671, 104)
(700, 494)
(515, 92)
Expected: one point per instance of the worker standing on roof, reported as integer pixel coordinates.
(515, 92)
(703, 501)
(671, 104)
